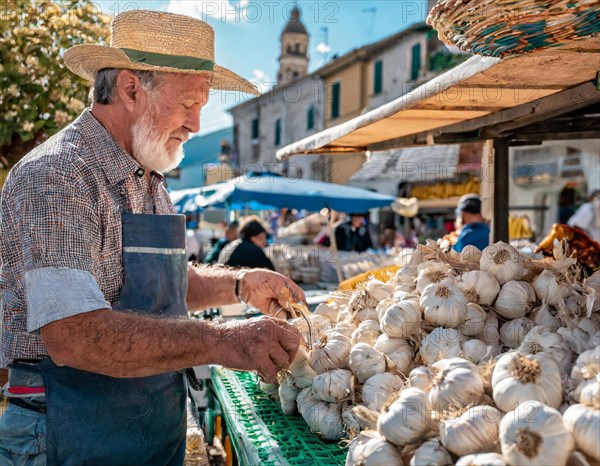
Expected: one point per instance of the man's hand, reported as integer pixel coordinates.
(263, 344)
(265, 290)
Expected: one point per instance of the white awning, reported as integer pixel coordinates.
(478, 93)
(384, 170)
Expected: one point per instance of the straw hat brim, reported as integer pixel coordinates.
(86, 60)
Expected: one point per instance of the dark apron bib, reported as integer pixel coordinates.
(93, 419)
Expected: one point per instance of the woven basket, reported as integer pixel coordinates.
(501, 27)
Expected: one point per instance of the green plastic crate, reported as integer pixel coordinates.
(261, 433)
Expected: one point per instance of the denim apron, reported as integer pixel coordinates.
(94, 419)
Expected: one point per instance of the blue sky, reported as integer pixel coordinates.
(247, 34)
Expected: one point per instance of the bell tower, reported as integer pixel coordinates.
(293, 61)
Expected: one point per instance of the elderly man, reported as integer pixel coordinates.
(94, 279)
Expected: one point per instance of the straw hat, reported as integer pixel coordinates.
(157, 41)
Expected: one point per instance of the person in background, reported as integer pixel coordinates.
(353, 235)
(587, 217)
(231, 234)
(247, 250)
(473, 229)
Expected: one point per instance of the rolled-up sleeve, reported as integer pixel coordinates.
(61, 239)
(56, 293)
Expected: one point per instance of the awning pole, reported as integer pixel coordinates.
(333, 245)
(501, 179)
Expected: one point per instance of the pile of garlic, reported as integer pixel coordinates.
(484, 357)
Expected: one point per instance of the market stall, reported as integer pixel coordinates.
(482, 342)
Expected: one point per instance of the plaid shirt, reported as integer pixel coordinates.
(61, 214)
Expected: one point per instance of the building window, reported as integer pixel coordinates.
(335, 100)
(378, 77)
(255, 129)
(278, 131)
(415, 64)
(310, 117)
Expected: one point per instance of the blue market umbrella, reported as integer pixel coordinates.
(184, 200)
(265, 190)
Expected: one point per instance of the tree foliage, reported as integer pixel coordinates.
(38, 94)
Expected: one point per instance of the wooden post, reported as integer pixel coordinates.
(333, 245)
(501, 179)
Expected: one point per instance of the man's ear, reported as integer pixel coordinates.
(129, 89)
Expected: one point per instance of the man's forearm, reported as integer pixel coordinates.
(122, 344)
(210, 286)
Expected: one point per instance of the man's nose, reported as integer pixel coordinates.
(193, 120)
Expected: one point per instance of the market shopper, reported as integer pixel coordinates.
(587, 217)
(95, 286)
(473, 228)
(231, 234)
(353, 235)
(248, 249)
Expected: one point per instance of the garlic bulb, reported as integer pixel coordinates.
(328, 311)
(431, 453)
(490, 334)
(534, 434)
(407, 276)
(366, 332)
(443, 305)
(431, 272)
(345, 328)
(479, 287)
(544, 317)
(322, 417)
(551, 287)
(513, 332)
(421, 378)
(367, 314)
(593, 281)
(475, 431)
(382, 306)
(578, 305)
(300, 371)
(397, 350)
(406, 419)
(377, 389)
(455, 383)
(401, 319)
(590, 392)
(518, 378)
(369, 449)
(584, 423)
(441, 343)
(365, 361)
(515, 299)
(540, 339)
(476, 351)
(334, 386)
(387, 345)
(579, 340)
(378, 290)
(475, 320)
(470, 253)
(587, 366)
(318, 326)
(287, 397)
(503, 261)
(482, 459)
(331, 353)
